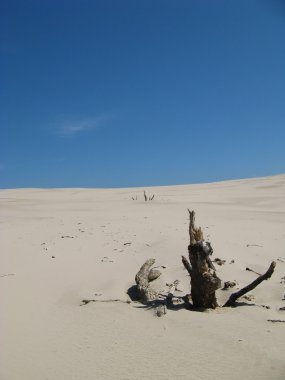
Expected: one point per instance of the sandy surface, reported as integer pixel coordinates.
(63, 245)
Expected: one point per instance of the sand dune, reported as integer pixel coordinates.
(60, 246)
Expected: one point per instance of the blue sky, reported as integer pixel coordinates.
(137, 93)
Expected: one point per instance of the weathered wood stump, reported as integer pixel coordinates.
(204, 281)
(143, 278)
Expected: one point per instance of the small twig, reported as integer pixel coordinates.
(219, 261)
(276, 320)
(254, 245)
(251, 270)
(173, 287)
(145, 197)
(85, 302)
(159, 266)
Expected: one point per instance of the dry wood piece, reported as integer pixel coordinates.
(153, 274)
(170, 294)
(276, 320)
(146, 293)
(195, 234)
(231, 301)
(219, 261)
(204, 281)
(145, 197)
(251, 270)
(86, 302)
(229, 284)
(186, 265)
(174, 286)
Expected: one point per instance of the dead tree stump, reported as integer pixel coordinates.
(204, 281)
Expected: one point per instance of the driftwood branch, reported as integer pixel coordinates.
(231, 301)
(187, 265)
(146, 293)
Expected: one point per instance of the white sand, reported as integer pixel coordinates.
(46, 335)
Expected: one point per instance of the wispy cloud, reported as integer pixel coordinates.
(69, 128)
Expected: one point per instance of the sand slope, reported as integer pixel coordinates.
(63, 245)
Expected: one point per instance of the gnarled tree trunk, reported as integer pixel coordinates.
(204, 281)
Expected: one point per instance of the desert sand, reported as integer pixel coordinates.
(60, 246)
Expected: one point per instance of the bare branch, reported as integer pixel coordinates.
(231, 301)
(145, 197)
(187, 265)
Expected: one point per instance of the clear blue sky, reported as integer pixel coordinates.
(106, 93)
